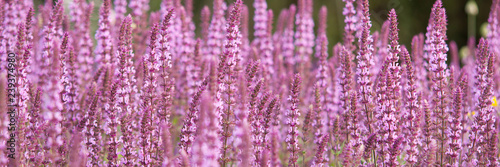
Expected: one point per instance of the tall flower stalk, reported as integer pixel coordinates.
(293, 121)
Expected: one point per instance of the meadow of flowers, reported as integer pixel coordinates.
(145, 90)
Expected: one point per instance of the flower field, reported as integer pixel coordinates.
(152, 88)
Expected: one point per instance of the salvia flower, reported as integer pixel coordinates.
(165, 58)
(350, 24)
(227, 67)
(455, 128)
(104, 45)
(412, 113)
(293, 121)
(393, 87)
(137, 98)
(189, 127)
(438, 67)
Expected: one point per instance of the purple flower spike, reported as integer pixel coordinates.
(483, 124)
(350, 24)
(287, 42)
(393, 87)
(84, 48)
(49, 32)
(226, 72)
(411, 121)
(124, 92)
(216, 30)
(205, 23)
(345, 81)
(9, 28)
(165, 57)
(260, 18)
(112, 123)
(321, 159)
(365, 63)
(304, 34)
(103, 49)
(120, 10)
(189, 128)
(293, 121)
(438, 67)
(322, 49)
(454, 130)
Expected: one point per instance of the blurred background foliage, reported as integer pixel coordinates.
(413, 16)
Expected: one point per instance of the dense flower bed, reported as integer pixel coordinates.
(150, 92)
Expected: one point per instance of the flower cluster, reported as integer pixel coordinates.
(153, 92)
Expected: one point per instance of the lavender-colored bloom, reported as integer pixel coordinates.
(350, 24)
(120, 8)
(124, 92)
(454, 130)
(381, 46)
(437, 59)
(293, 121)
(151, 69)
(84, 48)
(365, 63)
(483, 124)
(321, 159)
(258, 129)
(49, 33)
(208, 152)
(370, 144)
(266, 122)
(318, 123)
(227, 66)
(287, 42)
(275, 145)
(8, 30)
(427, 131)
(34, 127)
(394, 151)
(266, 49)
(167, 159)
(245, 145)
(494, 27)
(411, 121)
(393, 87)
(189, 128)
(304, 34)
(245, 42)
(145, 152)
(52, 107)
(216, 30)
(322, 49)
(21, 85)
(89, 125)
(205, 23)
(139, 7)
(111, 126)
(345, 80)
(103, 50)
(353, 127)
(260, 23)
(165, 58)
(189, 67)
